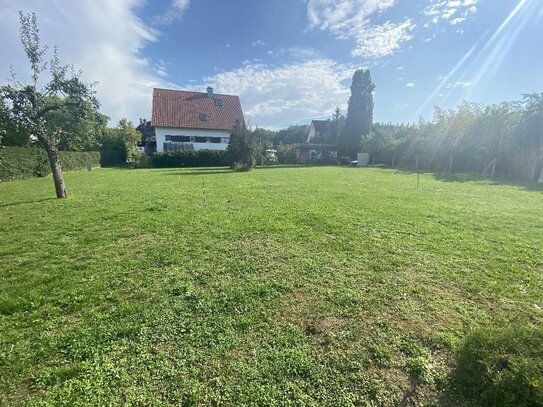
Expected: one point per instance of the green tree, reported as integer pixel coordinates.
(118, 145)
(292, 135)
(338, 122)
(359, 113)
(10, 133)
(242, 148)
(533, 130)
(34, 109)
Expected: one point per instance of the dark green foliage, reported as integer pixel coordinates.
(387, 142)
(502, 366)
(359, 113)
(336, 127)
(286, 155)
(118, 145)
(77, 160)
(292, 135)
(23, 162)
(190, 158)
(264, 137)
(467, 139)
(242, 150)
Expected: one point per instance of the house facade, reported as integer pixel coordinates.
(185, 120)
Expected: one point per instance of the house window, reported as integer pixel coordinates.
(200, 139)
(218, 102)
(178, 139)
(216, 139)
(203, 117)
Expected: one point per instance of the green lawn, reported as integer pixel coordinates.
(281, 286)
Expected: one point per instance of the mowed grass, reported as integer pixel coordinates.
(281, 286)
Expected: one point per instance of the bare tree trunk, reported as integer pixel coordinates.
(56, 169)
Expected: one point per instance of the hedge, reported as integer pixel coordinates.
(190, 158)
(22, 162)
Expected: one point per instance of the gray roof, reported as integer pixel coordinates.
(321, 126)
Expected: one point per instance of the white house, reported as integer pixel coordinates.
(185, 120)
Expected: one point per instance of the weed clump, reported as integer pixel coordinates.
(501, 366)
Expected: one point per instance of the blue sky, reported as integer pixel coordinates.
(292, 60)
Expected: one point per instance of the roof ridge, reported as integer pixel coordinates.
(194, 91)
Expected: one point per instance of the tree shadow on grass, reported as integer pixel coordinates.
(30, 201)
(201, 171)
(467, 177)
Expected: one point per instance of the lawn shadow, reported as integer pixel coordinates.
(279, 166)
(471, 177)
(30, 201)
(202, 171)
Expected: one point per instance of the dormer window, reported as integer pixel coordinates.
(203, 117)
(218, 102)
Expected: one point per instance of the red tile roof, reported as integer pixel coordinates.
(180, 108)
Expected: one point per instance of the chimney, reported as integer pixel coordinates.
(209, 92)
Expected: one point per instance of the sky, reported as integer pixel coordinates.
(291, 61)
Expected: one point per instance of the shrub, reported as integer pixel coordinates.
(242, 149)
(286, 155)
(190, 158)
(502, 366)
(23, 162)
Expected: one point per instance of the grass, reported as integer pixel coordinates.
(281, 286)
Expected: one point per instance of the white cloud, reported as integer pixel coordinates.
(103, 38)
(277, 96)
(160, 68)
(340, 16)
(382, 40)
(175, 11)
(453, 12)
(350, 19)
(258, 43)
(457, 20)
(410, 84)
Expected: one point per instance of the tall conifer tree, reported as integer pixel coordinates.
(359, 113)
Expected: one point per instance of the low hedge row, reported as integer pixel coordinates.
(190, 158)
(22, 162)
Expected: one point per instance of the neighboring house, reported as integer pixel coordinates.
(315, 152)
(185, 120)
(318, 130)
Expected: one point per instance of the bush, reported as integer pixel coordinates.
(190, 158)
(286, 154)
(118, 145)
(502, 366)
(22, 162)
(242, 149)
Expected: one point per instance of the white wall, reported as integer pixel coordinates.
(162, 132)
(363, 159)
(311, 134)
